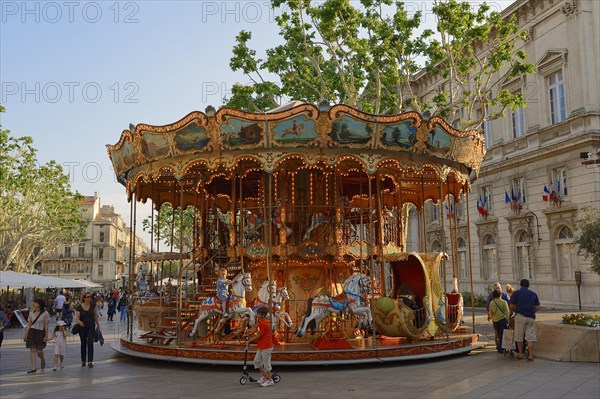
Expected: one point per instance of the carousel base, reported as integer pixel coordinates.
(302, 353)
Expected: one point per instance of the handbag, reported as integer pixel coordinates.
(75, 329)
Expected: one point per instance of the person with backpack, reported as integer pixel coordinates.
(112, 308)
(123, 306)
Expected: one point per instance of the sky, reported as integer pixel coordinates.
(75, 74)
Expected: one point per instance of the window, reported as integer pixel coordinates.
(101, 236)
(52, 268)
(489, 259)
(556, 87)
(79, 268)
(564, 254)
(435, 212)
(67, 251)
(518, 188)
(518, 123)
(100, 253)
(523, 265)
(100, 271)
(485, 126)
(67, 268)
(459, 209)
(487, 134)
(462, 259)
(81, 251)
(559, 180)
(436, 246)
(485, 198)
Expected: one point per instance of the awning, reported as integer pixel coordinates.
(18, 280)
(88, 284)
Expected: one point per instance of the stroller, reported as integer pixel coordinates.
(246, 377)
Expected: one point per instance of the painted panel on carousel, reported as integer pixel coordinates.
(347, 130)
(123, 158)
(439, 141)
(155, 146)
(237, 132)
(468, 150)
(400, 135)
(299, 130)
(191, 138)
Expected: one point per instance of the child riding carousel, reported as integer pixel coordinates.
(223, 290)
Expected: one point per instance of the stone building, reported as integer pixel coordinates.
(535, 161)
(103, 255)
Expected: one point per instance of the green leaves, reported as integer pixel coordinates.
(168, 227)
(367, 55)
(39, 211)
(589, 237)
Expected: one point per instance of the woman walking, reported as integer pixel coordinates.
(87, 318)
(36, 334)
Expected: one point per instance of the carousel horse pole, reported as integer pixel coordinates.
(242, 282)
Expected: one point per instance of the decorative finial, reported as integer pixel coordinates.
(210, 111)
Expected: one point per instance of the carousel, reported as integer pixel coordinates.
(318, 214)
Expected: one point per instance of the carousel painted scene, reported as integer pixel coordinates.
(315, 212)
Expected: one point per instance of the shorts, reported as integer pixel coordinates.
(263, 359)
(525, 327)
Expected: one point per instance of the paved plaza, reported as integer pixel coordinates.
(481, 374)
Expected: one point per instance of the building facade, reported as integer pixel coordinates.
(102, 256)
(533, 184)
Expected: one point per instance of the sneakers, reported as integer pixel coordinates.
(261, 380)
(267, 383)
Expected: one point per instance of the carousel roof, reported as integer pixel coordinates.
(405, 151)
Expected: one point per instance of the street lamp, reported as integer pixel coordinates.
(578, 283)
(529, 219)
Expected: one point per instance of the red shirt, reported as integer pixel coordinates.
(264, 332)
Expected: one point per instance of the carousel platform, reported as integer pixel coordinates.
(302, 353)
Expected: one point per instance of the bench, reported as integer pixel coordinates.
(158, 338)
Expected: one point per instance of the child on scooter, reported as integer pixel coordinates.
(261, 333)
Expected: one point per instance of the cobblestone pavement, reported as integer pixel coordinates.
(480, 374)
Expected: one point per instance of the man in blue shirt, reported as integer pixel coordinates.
(525, 304)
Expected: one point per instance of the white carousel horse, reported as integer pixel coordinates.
(242, 282)
(277, 296)
(316, 220)
(350, 300)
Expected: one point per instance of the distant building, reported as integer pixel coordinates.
(534, 182)
(103, 255)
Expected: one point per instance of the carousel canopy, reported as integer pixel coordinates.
(198, 155)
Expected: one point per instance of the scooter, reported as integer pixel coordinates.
(246, 377)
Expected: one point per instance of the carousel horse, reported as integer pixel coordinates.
(350, 300)
(316, 220)
(242, 282)
(277, 296)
